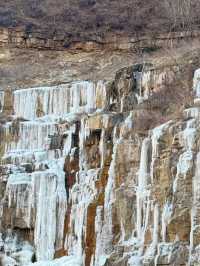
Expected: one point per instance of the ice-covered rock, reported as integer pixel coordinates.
(79, 186)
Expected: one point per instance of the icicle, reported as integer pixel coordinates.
(69, 140)
(166, 216)
(143, 202)
(31, 136)
(155, 136)
(1, 100)
(152, 249)
(51, 207)
(195, 221)
(46, 100)
(196, 83)
(187, 138)
(156, 226)
(45, 225)
(107, 230)
(82, 96)
(81, 195)
(102, 147)
(45, 193)
(144, 165)
(98, 231)
(84, 133)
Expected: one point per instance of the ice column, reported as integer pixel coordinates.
(1, 100)
(142, 193)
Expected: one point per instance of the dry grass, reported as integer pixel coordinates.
(168, 103)
(87, 19)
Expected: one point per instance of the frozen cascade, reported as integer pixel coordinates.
(30, 135)
(64, 261)
(155, 136)
(152, 249)
(196, 83)
(38, 197)
(103, 219)
(166, 216)
(105, 231)
(142, 193)
(99, 258)
(45, 226)
(1, 100)
(38, 151)
(83, 135)
(195, 220)
(155, 228)
(46, 100)
(20, 157)
(19, 192)
(151, 79)
(77, 97)
(50, 197)
(187, 139)
(44, 191)
(82, 194)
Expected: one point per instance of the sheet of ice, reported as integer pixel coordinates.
(45, 225)
(104, 231)
(44, 192)
(19, 193)
(155, 226)
(84, 133)
(64, 261)
(30, 135)
(142, 194)
(135, 260)
(152, 248)
(195, 220)
(39, 198)
(8, 261)
(20, 157)
(50, 195)
(156, 133)
(188, 135)
(99, 258)
(69, 139)
(25, 255)
(196, 82)
(184, 165)
(1, 100)
(81, 195)
(10, 242)
(193, 112)
(166, 216)
(82, 96)
(33, 102)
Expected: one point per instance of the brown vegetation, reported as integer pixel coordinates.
(88, 19)
(168, 103)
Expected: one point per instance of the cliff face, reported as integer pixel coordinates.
(99, 133)
(84, 183)
(40, 39)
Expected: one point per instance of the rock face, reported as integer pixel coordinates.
(21, 37)
(79, 182)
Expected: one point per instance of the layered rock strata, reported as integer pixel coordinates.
(22, 38)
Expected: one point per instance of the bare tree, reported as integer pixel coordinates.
(180, 13)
